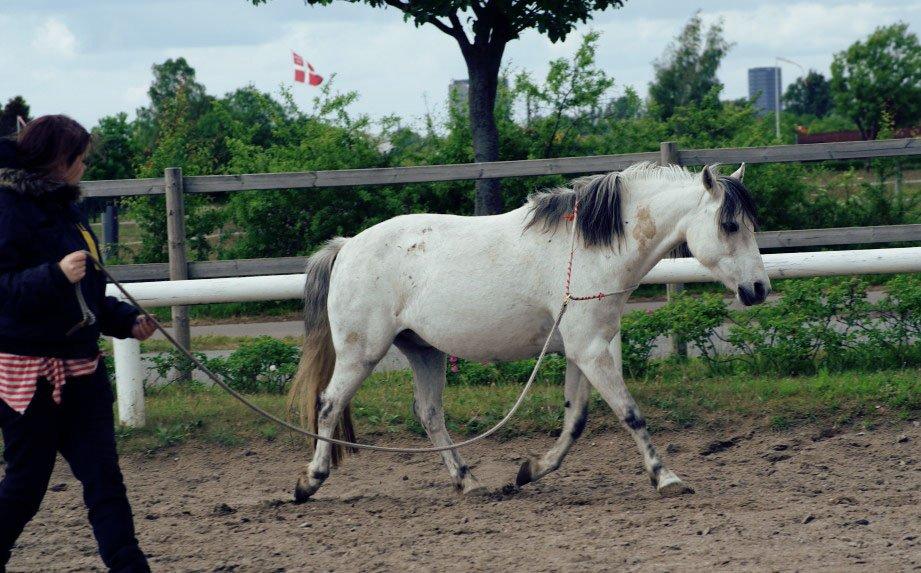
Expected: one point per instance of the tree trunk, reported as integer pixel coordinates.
(483, 63)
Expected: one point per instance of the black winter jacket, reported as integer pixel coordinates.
(38, 305)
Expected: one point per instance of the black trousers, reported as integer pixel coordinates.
(81, 428)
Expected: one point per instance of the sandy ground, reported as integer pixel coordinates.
(806, 499)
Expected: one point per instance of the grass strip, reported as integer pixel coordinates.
(672, 400)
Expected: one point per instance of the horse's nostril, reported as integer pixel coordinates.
(759, 289)
(745, 296)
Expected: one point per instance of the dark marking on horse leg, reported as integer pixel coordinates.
(524, 474)
(327, 405)
(318, 475)
(567, 404)
(654, 474)
(633, 420)
(463, 471)
(579, 425)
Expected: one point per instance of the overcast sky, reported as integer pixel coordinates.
(90, 59)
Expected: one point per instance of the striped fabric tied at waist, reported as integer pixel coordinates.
(19, 376)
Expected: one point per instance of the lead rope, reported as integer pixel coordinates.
(297, 429)
(88, 316)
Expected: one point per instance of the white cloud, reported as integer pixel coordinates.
(805, 27)
(54, 38)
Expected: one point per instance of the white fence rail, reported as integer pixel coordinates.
(129, 375)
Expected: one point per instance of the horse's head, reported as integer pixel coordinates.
(721, 235)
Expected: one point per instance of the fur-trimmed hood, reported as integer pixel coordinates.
(39, 186)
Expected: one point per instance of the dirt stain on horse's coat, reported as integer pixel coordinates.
(645, 228)
(420, 247)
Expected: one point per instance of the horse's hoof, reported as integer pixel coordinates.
(303, 492)
(476, 491)
(524, 474)
(674, 488)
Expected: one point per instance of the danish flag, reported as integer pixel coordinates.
(305, 76)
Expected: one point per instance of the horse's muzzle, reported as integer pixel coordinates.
(754, 295)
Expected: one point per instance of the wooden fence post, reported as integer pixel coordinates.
(178, 262)
(668, 155)
(110, 228)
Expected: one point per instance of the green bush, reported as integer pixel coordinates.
(471, 373)
(789, 335)
(638, 333)
(264, 364)
(171, 361)
(695, 320)
(900, 313)
(817, 324)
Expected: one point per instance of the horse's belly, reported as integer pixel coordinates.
(490, 338)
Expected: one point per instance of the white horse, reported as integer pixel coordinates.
(489, 288)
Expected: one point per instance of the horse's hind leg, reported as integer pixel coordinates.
(347, 377)
(428, 366)
(576, 392)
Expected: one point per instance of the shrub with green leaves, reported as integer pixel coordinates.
(170, 363)
(264, 364)
(789, 335)
(695, 320)
(471, 373)
(899, 318)
(638, 333)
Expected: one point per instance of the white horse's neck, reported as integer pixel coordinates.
(655, 208)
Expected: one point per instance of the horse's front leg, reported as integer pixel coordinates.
(576, 393)
(600, 361)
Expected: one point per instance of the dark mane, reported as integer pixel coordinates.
(600, 203)
(737, 200)
(600, 219)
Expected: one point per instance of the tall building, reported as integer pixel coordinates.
(762, 88)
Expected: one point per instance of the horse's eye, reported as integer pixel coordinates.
(731, 227)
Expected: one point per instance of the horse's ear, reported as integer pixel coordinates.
(708, 177)
(739, 173)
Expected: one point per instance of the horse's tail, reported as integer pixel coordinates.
(318, 356)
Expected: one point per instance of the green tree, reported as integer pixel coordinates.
(169, 78)
(572, 95)
(178, 142)
(878, 76)
(686, 73)
(15, 107)
(627, 106)
(713, 123)
(809, 95)
(289, 222)
(491, 25)
(113, 152)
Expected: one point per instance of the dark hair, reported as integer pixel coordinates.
(600, 219)
(51, 142)
(737, 201)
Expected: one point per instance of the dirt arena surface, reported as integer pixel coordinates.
(806, 499)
